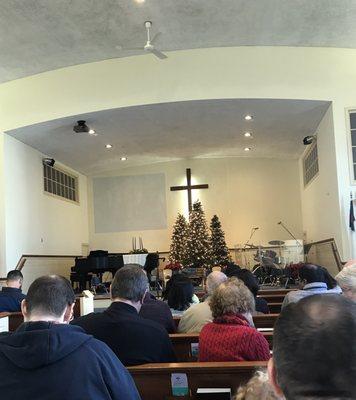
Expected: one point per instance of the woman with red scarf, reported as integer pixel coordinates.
(231, 336)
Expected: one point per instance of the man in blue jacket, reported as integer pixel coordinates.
(11, 294)
(46, 358)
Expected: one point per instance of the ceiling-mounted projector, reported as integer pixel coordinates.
(81, 127)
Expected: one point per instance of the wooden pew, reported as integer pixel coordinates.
(182, 344)
(153, 381)
(275, 308)
(273, 298)
(271, 292)
(265, 320)
(260, 321)
(15, 319)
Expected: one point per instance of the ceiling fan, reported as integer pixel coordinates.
(149, 47)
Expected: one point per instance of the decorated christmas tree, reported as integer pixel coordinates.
(177, 252)
(198, 243)
(219, 249)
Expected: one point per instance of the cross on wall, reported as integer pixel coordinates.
(189, 187)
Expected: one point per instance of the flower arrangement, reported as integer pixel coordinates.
(174, 266)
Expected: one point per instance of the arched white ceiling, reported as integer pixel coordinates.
(174, 131)
(37, 36)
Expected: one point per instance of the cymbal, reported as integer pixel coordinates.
(276, 243)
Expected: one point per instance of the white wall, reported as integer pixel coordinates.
(320, 204)
(214, 73)
(37, 223)
(2, 210)
(243, 192)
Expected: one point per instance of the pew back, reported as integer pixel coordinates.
(153, 381)
(186, 345)
(15, 319)
(260, 321)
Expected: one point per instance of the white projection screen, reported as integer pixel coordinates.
(130, 203)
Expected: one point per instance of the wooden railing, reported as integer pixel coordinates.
(24, 257)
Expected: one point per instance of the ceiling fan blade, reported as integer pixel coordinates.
(155, 37)
(158, 54)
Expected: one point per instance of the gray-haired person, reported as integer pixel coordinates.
(133, 339)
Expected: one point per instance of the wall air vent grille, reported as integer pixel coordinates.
(311, 163)
(60, 183)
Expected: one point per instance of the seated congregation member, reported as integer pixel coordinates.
(46, 358)
(11, 295)
(198, 315)
(135, 340)
(230, 337)
(257, 388)
(314, 350)
(158, 311)
(346, 279)
(312, 281)
(331, 282)
(247, 277)
(180, 294)
(231, 269)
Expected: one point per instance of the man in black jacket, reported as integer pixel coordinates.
(11, 294)
(135, 340)
(46, 358)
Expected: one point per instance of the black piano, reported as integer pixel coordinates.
(97, 263)
(100, 261)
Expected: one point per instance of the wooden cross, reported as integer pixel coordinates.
(189, 187)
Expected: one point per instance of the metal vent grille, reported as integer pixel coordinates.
(60, 183)
(311, 164)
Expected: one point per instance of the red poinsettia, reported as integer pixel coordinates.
(174, 266)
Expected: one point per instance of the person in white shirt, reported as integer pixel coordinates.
(313, 282)
(198, 315)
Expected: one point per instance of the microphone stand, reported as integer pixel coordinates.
(291, 234)
(253, 231)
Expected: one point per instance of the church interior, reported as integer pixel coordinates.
(131, 129)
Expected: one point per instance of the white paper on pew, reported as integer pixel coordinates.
(213, 390)
(265, 329)
(4, 324)
(179, 384)
(86, 303)
(194, 348)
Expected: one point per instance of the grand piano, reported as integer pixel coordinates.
(100, 261)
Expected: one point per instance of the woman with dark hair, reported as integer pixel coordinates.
(251, 282)
(333, 286)
(179, 294)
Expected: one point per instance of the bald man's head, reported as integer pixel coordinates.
(213, 280)
(314, 348)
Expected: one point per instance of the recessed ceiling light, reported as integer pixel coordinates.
(140, 1)
(123, 158)
(108, 146)
(248, 117)
(91, 132)
(247, 134)
(247, 148)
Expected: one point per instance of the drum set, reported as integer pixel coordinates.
(270, 268)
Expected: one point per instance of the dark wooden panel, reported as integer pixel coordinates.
(15, 320)
(153, 381)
